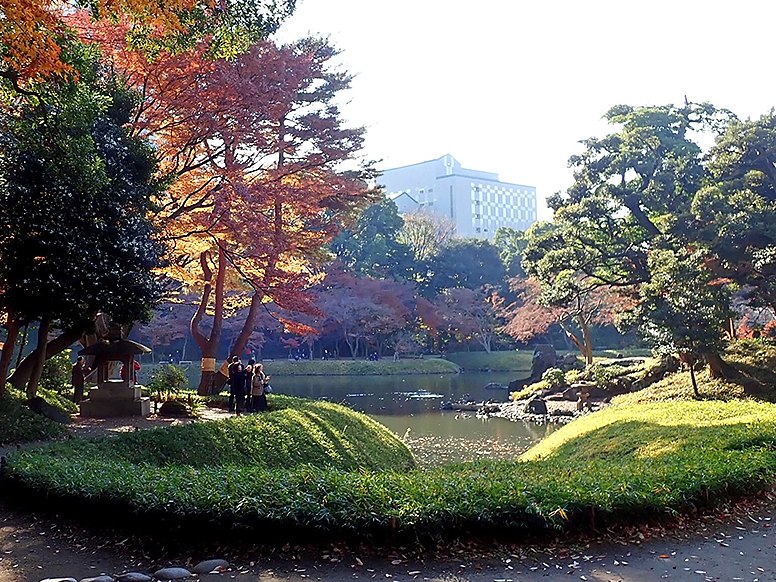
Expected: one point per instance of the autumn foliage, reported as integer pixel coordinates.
(251, 150)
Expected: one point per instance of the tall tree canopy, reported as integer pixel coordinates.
(370, 247)
(647, 210)
(33, 33)
(252, 149)
(75, 190)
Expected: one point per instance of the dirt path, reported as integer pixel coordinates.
(734, 543)
(722, 546)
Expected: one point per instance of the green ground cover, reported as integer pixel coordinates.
(616, 465)
(506, 361)
(319, 469)
(19, 424)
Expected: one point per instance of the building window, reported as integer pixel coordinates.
(478, 229)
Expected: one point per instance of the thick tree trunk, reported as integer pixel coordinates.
(23, 372)
(40, 358)
(241, 342)
(718, 368)
(209, 345)
(12, 328)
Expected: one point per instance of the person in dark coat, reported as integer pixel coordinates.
(77, 378)
(231, 371)
(238, 388)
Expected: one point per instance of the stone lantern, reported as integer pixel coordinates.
(115, 396)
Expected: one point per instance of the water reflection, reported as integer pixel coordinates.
(410, 407)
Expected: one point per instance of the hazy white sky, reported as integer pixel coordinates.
(511, 86)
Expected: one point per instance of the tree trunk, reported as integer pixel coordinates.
(241, 342)
(209, 345)
(586, 340)
(12, 327)
(40, 358)
(21, 376)
(718, 368)
(22, 345)
(694, 381)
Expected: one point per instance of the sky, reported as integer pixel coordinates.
(512, 86)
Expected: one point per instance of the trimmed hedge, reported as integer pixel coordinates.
(612, 466)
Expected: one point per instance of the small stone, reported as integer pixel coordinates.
(59, 580)
(208, 566)
(103, 578)
(133, 577)
(172, 573)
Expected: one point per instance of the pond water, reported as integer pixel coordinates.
(410, 407)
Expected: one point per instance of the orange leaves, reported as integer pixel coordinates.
(32, 31)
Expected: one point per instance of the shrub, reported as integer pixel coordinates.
(56, 373)
(167, 381)
(19, 424)
(554, 377)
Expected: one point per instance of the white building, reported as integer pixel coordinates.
(477, 202)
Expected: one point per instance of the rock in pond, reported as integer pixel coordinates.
(133, 577)
(102, 578)
(59, 580)
(536, 406)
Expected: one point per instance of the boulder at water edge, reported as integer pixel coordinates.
(103, 578)
(59, 580)
(133, 577)
(536, 406)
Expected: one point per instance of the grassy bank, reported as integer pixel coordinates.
(506, 361)
(316, 469)
(19, 424)
(385, 367)
(328, 368)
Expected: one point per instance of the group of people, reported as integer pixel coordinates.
(248, 386)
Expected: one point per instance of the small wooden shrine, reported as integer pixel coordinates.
(117, 392)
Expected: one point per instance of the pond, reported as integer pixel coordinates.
(411, 407)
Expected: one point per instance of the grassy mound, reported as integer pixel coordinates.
(754, 360)
(19, 424)
(616, 465)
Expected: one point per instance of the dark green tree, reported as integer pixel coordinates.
(468, 263)
(74, 196)
(631, 203)
(736, 210)
(371, 247)
(683, 308)
(510, 244)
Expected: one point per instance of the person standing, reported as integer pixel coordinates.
(259, 388)
(238, 388)
(77, 378)
(232, 368)
(249, 369)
